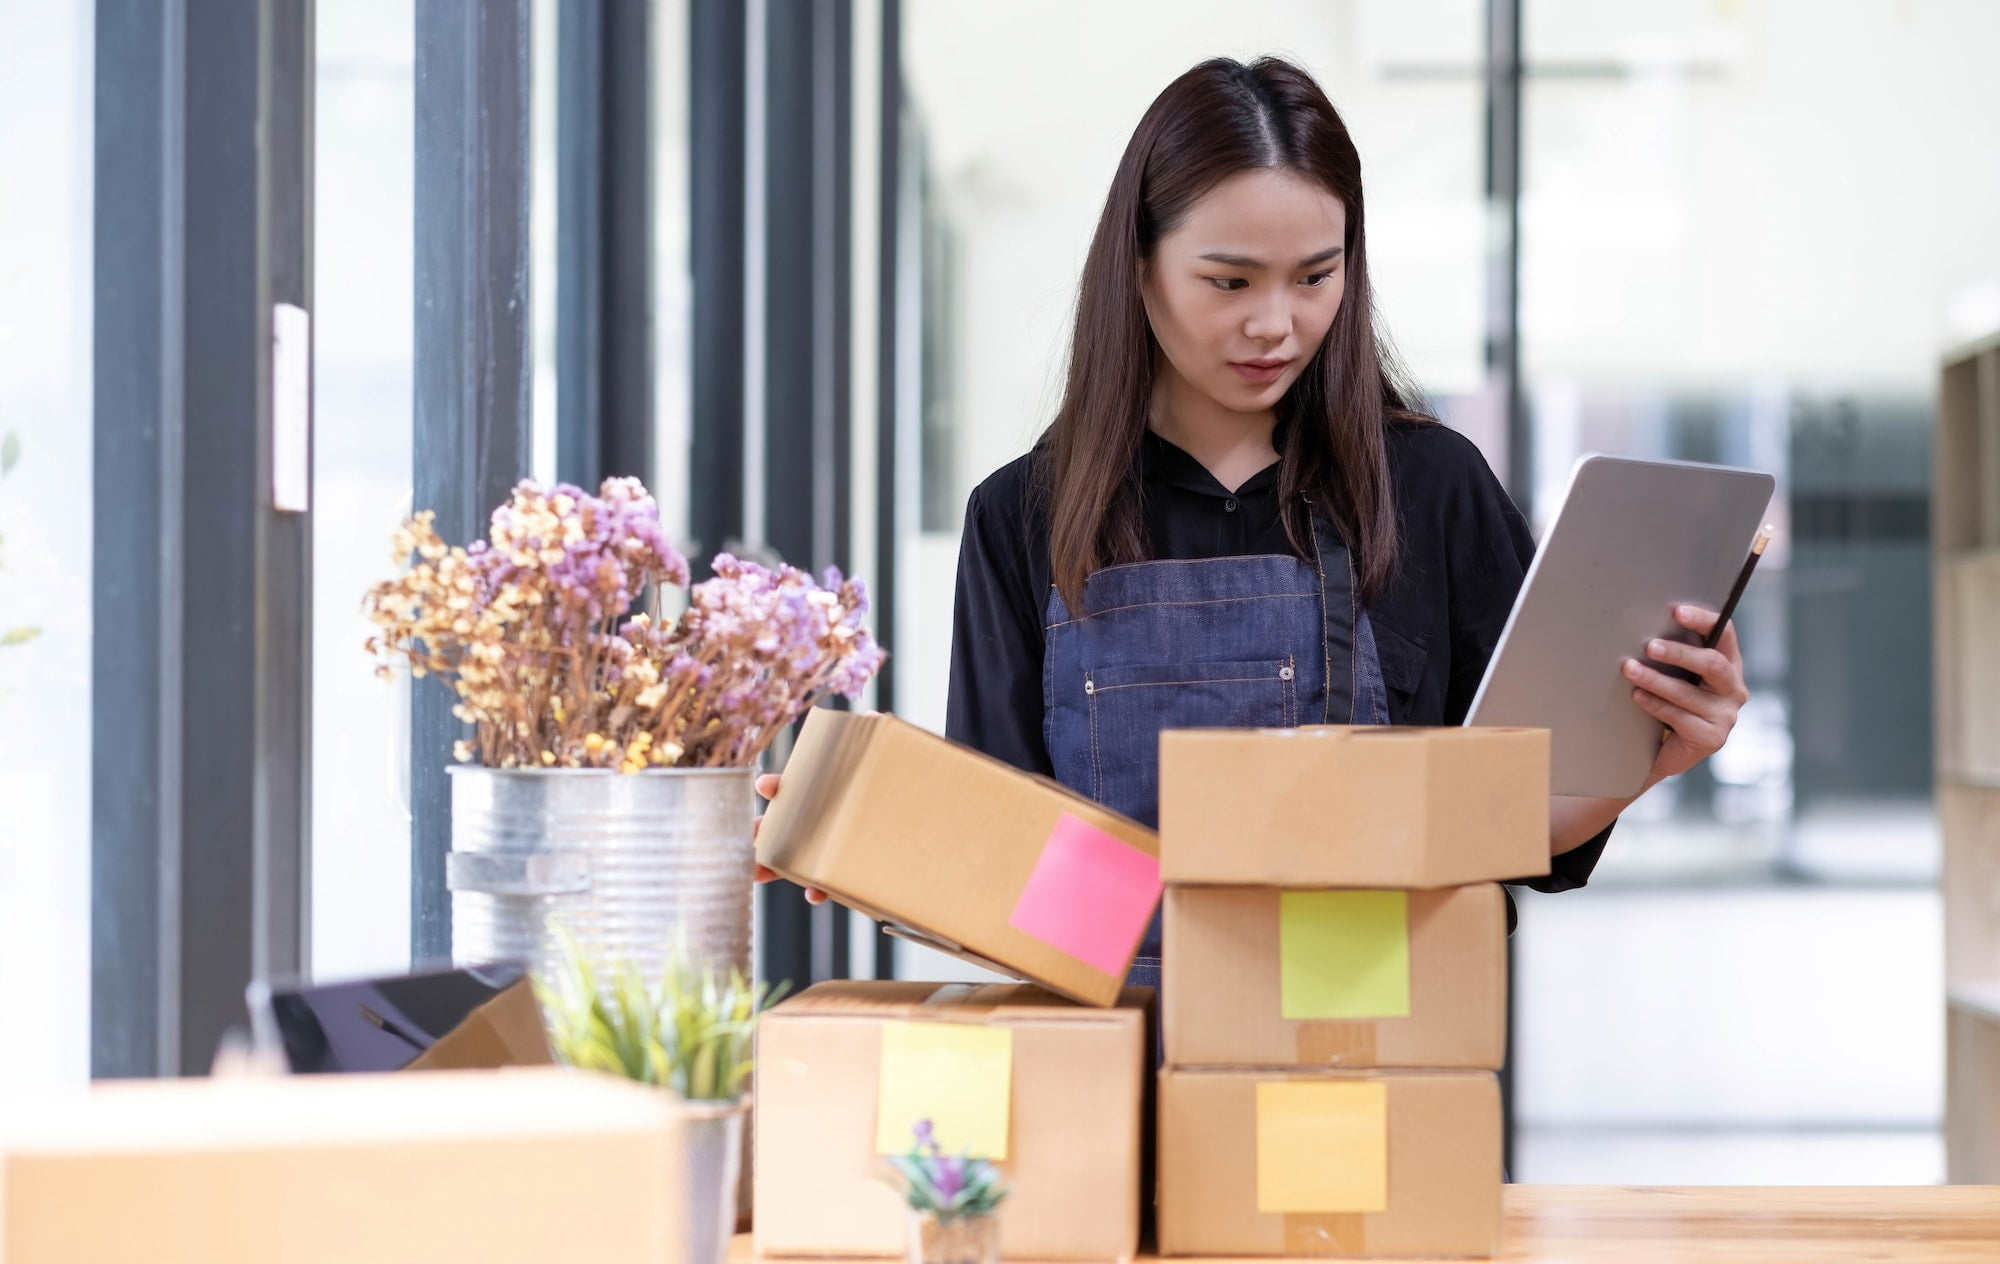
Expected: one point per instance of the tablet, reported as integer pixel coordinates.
(1632, 540)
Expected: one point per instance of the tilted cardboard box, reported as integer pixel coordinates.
(1370, 806)
(1261, 977)
(1060, 1086)
(494, 1166)
(968, 854)
(1329, 1163)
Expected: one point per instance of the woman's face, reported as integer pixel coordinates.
(1241, 294)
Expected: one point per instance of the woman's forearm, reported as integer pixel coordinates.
(1574, 821)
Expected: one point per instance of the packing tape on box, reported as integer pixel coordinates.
(1345, 1233)
(1329, 1042)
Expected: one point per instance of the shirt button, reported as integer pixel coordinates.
(1229, 505)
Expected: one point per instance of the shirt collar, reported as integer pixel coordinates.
(1163, 461)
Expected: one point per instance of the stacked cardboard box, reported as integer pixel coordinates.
(958, 851)
(1053, 1092)
(1335, 989)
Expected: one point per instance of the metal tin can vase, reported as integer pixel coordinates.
(959, 1240)
(631, 864)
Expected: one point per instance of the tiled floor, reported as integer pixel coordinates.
(1774, 1034)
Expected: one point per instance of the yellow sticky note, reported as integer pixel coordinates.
(1322, 1146)
(1344, 954)
(958, 1076)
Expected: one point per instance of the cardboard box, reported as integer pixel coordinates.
(1340, 1163)
(492, 1166)
(964, 853)
(507, 1030)
(1260, 977)
(1335, 806)
(1057, 1085)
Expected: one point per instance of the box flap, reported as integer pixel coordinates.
(1013, 1003)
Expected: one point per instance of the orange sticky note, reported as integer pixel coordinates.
(957, 1075)
(1322, 1146)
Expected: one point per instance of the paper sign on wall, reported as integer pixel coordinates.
(1344, 954)
(958, 1076)
(1322, 1147)
(1090, 895)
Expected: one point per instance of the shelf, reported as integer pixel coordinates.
(1965, 532)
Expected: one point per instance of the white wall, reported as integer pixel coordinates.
(1787, 188)
(46, 148)
(363, 258)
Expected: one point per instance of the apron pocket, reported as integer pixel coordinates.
(1129, 706)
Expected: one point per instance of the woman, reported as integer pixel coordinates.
(1238, 516)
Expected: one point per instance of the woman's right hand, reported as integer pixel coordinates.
(767, 785)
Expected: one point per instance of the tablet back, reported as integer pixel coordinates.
(1632, 540)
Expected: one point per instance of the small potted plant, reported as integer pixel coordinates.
(953, 1199)
(691, 1035)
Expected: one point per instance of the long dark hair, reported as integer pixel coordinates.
(1218, 120)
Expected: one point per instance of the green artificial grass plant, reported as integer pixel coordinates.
(691, 1033)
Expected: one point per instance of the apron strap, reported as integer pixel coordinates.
(1337, 604)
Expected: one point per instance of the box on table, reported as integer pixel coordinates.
(845, 1069)
(493, 1166)
(1353, 806)
(1329, 1163)
(964, 853)
(1262, 977)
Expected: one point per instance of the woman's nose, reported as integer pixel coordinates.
(1270, 320)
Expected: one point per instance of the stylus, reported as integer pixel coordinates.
(1736, 593)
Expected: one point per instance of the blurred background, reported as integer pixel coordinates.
(807, 267)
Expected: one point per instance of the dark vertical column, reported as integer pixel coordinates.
(1503, 260)
(203, 154)
(889, 203)
(136, 558)
(604, 242)
(284, 560)
(808, 173)
(1503, 345)
(472, 364)
(716, 73)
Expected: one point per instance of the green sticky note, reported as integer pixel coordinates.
(1344, 954)
(956, 1075)
(1322, 1147)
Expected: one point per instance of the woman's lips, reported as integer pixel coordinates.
(1259, 372)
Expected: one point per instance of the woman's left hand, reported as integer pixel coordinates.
(1698, 716)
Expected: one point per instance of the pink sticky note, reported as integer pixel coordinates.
(1090, 896)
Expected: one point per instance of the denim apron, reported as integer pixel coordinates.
(1265, 641)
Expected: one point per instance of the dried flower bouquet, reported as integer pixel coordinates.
(535, 630)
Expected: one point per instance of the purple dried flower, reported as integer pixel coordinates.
(950, 1177)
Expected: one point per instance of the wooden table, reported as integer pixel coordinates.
(1918, 1224)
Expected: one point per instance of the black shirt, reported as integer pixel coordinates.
(1465, 550)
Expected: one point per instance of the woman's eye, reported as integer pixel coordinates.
(1317, 279)
(1228, 284)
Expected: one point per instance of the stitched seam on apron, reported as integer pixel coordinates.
(1201, 601)
(1354, 654)
(1326, 650)
(1155, 684)
(1096, 768)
